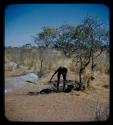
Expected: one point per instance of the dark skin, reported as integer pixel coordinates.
(60, 71)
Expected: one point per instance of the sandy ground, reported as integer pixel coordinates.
(73, 106)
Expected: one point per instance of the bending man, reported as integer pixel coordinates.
(60, 71)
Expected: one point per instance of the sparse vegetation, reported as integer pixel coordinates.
(101, 113)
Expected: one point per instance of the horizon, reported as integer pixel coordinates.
(22, 21)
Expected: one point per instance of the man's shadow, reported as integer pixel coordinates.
(70, 85)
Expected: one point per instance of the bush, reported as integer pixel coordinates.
(72, 67)
(40, 73)
(8, 58)
(29, 62)
(101, 113)
(103, 68)
(8, 68)
(106, 68)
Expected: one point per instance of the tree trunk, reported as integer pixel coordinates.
(80, 72)
(80, 76)
(41, 65)
(92, 67)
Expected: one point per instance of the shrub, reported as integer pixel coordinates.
(101, 113)
(72, 67)
(103, 68)
(28, 62)
(40, 73)
(8, 58)
(8, 68)
(106, 68)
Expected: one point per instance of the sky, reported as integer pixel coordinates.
(22, 21)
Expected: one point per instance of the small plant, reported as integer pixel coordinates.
(40, 73)
(28, 62)
(71, 67)
(8, 68)
(101, 113)
(107, 71)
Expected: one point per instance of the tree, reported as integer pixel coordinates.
(63, 39)
(89, 38)
(82, 53)
(99, 37)
(44, 40)
(27, 45)
(45, 37)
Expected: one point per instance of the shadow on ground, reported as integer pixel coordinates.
(70, 85)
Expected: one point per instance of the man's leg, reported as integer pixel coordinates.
(64, 78)
(58, 78)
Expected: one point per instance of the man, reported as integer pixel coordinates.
(60, 71)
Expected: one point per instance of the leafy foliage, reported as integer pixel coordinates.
(45, 37)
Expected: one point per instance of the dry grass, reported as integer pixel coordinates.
(52, 59)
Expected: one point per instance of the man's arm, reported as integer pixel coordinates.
(53, 74)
